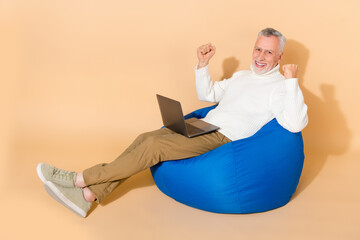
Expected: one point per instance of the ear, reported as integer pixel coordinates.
(280, 57)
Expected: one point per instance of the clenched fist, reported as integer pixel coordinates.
(290, 70)
(204, 54)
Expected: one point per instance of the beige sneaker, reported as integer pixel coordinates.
(71, 198)
(61, 177)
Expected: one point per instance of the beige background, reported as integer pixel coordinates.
(78, 83)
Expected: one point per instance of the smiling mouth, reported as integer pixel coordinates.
(260, 65)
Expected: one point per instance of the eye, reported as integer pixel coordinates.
(269, 52)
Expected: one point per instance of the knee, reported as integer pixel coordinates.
(140, 137)
(151, 140)
(143, 136)
(155, 140)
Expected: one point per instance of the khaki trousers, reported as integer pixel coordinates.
(147, 150)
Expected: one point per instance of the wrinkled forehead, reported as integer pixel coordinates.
(268, 43)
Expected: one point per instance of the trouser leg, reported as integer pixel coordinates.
(102, 190)
(147, 150)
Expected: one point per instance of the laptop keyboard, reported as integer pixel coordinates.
(193, 130)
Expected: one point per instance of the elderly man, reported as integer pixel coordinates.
(246, 102)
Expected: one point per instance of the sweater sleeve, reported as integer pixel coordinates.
(207, 90)
(288, 106)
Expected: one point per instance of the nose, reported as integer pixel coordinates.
(261, 56)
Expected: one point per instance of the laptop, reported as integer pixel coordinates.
(173, 118)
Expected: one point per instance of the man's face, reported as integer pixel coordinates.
(266, 54)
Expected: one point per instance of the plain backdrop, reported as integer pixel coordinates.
(78, 84)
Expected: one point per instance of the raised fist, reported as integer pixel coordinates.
(204, 54)
(290, 70)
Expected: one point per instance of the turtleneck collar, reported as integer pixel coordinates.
(271, 72)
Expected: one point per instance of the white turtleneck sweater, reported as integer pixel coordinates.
(248, 101)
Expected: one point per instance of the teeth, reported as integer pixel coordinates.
(261, 64)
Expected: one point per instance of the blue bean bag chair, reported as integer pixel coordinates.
(250, 175)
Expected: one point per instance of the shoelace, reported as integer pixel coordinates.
(62, 174)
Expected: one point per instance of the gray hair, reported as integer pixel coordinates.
(267, 32)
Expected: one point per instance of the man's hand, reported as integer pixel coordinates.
(290, 70)
(204, 54)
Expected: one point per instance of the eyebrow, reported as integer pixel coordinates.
(270, 50)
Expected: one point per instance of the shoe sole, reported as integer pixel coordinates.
(40, 174)
(56, 194)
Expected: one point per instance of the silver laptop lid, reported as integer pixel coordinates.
(172, 114)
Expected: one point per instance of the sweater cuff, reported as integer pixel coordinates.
(291, 84)
(202, 71)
